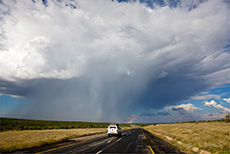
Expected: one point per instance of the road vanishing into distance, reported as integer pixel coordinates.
(132, 141)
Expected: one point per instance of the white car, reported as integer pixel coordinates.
(114, 129)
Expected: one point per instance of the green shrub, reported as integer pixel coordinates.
(23, 124)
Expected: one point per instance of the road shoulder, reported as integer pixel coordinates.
(159, 145)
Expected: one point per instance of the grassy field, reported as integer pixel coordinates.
(23, 124)
(22, 134)
(15, 140)
(211, 136)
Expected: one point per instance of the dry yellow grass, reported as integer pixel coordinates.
(15, 140)
(210, 136)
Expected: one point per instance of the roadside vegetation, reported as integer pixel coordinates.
(210, 136)
(24, 124)
(17, 140)
(17, 134)
(226, 119)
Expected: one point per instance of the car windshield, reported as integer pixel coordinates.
(114, 127)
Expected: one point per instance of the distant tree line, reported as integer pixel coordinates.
(23, 124)
(142, 124)
(226, 119)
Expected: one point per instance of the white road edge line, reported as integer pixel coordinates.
(99, 152)
(118, 140)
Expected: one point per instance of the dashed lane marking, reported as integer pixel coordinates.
(61, 147)
(118, 140)
(99, 152)
(57, 148)
(109, 141)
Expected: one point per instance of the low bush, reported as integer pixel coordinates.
(23, 124)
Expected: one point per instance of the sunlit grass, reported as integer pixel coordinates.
(15, 140)
(211, 136)
(25, 124)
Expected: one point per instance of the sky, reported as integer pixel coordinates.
(134, 61)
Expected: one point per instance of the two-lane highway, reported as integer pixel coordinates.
(132, 141)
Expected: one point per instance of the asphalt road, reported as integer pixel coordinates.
(132, 141)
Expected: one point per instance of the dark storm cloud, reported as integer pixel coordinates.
(148, 114)
(163, 113)
(172, 89)
(76, 98)
(105, 60)
(210, 114)
(181, 111)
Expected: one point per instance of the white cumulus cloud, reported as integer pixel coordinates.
(212, 103)
(227, 100)
(59, 42)
(106, 55)
(206, 97)
(187, 107)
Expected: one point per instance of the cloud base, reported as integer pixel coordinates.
(107, 56)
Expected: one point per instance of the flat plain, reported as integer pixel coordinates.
(211, 136)
(19, 134)
(16, 140)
